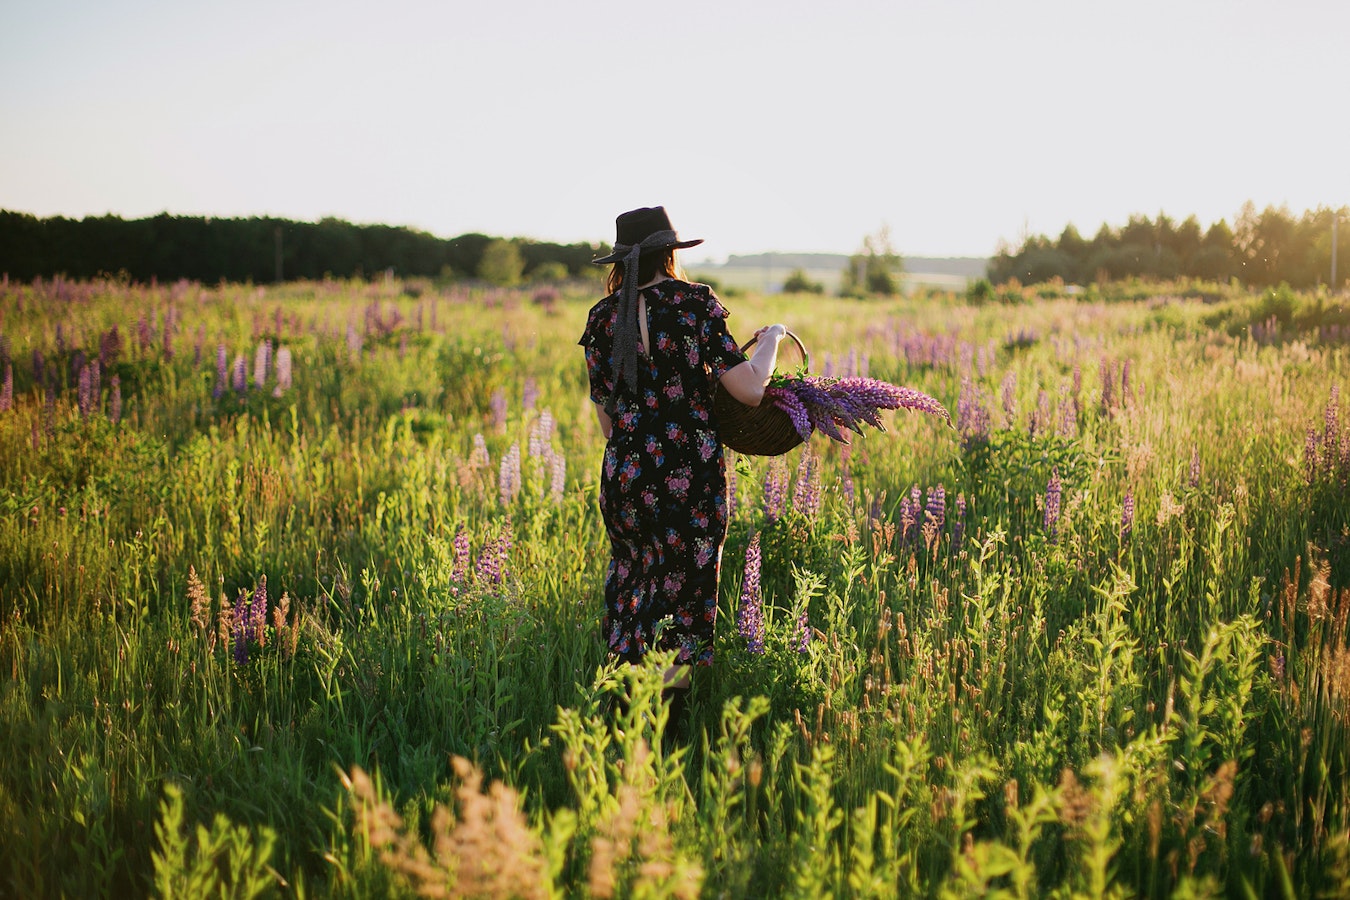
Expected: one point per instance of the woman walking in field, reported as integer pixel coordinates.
(656, 347)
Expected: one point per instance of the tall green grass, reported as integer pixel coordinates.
(248, 646)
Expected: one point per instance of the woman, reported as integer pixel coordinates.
(656, 347)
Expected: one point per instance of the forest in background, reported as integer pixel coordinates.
(1260, 249)
(265, 250)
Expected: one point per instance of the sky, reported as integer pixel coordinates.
(779, 126)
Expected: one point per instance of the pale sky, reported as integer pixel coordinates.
(761, 126)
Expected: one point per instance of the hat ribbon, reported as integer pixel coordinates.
(626, 331)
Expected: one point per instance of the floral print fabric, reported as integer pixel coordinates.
(663, 481)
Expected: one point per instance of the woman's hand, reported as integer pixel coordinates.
(775, 332)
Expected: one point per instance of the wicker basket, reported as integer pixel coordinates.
(763, 430)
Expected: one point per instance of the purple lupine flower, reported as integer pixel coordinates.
(354, 341)
(85, 392)
(801, 635)
(491, 566)
(240, 374)
(1008, 391)
(146, 336)
(541, 432)
(1108, 376)
(806, 493)
(1126, 517)
(530, 395)
(786, 400)
(775, 490)
(109, 347)
(972, 417)
(39, 367)
(7, 389)
(750, 618)
(1125, 382)
(1052, 498)
(239, 623)
(460, 570)
(257, 612)
(499, 409)
(935, 509)
(558, 483)
(222, 371)
(1195, 466)
(115, 401)
(508, 475)
(262, 363)
(1068, 414)
(1310, 455)
(284, 373)
(1040, 416)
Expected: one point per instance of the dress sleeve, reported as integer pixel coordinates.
(598, 339)
(717, 346)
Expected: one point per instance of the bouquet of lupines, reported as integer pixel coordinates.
(831, 405)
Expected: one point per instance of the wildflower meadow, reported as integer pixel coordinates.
(300, 591)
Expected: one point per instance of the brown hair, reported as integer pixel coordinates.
(649, 264)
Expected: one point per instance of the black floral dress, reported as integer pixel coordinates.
(663, 481)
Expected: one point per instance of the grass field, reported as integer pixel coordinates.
(300, 590)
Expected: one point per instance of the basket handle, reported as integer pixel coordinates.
(806, 357)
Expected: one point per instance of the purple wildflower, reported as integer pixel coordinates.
(1126, 517)
(109, 347)
(530, 395)
(284, 374)
(460, 570)
(1040, 416)
(262, 363)
(1052, 498)
(1310, 455)
(1008, 391)
(499, 409)
(239, 628)
(935, 510)
(750, 618)
(85, 393)
(508, 476)
(240, 374)
(222, 371)
(491, 566)
(806, 493)
(972, 416)
(1068, 413)
(775, 490)
(558, 482)
(1108, 375)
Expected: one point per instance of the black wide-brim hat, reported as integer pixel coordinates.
(647, 229)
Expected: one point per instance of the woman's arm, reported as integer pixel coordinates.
(606, 426)
(746, 381)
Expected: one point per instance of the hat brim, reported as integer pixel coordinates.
(618, 256)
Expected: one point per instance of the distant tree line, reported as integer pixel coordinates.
(1260, 249)
(266, 249)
